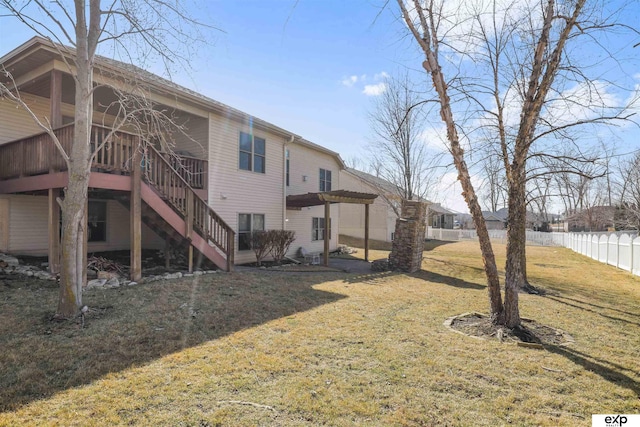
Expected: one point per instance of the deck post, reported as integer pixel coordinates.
(136, 217)
(190, 258)
(54, 231)
(366, 232)
(231, 250)
(56, 99)
(326, 236)
(55, 112)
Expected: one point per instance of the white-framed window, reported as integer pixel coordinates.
(247, 223)
(97, 221)
(317, 228)
(325, 180)
(252, 153)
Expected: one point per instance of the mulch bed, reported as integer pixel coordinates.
(529, 334)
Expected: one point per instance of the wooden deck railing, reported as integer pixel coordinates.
(159, 172)
(37, 154)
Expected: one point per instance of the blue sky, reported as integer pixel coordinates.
(309, 66)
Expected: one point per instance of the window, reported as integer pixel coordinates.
(248, 223)
(317, 229)
(393, 236)
(252, 154)
(286, 154)
(97, 221)
(325, 180)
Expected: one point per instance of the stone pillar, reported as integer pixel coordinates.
(408, 241)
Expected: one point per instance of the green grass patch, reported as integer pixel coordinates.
(287, 348)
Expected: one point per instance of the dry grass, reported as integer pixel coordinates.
(323, 348)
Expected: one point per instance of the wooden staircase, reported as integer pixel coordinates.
(171, 205)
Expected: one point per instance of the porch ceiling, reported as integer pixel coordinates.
(299, 201)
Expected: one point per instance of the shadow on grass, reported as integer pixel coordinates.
(561, 300)
(132, 326)
(446, 280)
(611, 373)
(597, 306)
(429, 276)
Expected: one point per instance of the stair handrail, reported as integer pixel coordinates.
(200, 216)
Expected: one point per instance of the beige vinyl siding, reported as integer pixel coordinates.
(29, 232)
(28, 229)
(16, 123)
(233, 191)
(381, 216)
(197, 142)
(301, 223)
(305, 161)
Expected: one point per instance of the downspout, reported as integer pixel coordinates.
(284, 180)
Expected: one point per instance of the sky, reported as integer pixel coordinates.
(313, 67)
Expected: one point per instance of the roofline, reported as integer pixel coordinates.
(178, 90)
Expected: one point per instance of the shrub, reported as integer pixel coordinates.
(280, 241)
(260, 244)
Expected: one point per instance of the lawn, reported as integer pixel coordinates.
(323, 348)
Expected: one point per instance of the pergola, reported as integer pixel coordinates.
(327, 198)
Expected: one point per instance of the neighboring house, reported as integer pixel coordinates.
(595, 218)
(494, 220)
(240, 174)
(441, 217)
(383, 212)
(385, 209)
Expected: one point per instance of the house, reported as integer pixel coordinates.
(383, 212)
(595, 218)
(386, 208)
(229, 173)
(440, 217)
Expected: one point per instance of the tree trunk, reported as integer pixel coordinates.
(468, 192)
(73, 273)
(516, 239)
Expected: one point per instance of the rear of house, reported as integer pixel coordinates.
(228, 173)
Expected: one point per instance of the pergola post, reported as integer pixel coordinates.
(136, 217)
(366, 232)
(327, 218)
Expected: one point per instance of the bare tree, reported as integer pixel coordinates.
(398, 124)
(138, 31)
(515, 85)
(628, 210)
(493, 186)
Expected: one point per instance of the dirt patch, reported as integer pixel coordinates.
(529, 334)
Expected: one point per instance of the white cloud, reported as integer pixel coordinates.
(375, 90)
(381, 76)
(448, 192)
(435, 138)
(377, 87)
(349, 81)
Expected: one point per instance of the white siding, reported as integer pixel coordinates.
(196, 144)
(301, 223)
(28, 230)
(29, 233)
(16, 123)
(305, 161)
(382, 218)
(233, 191)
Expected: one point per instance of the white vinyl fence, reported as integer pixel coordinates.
(620, 249)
